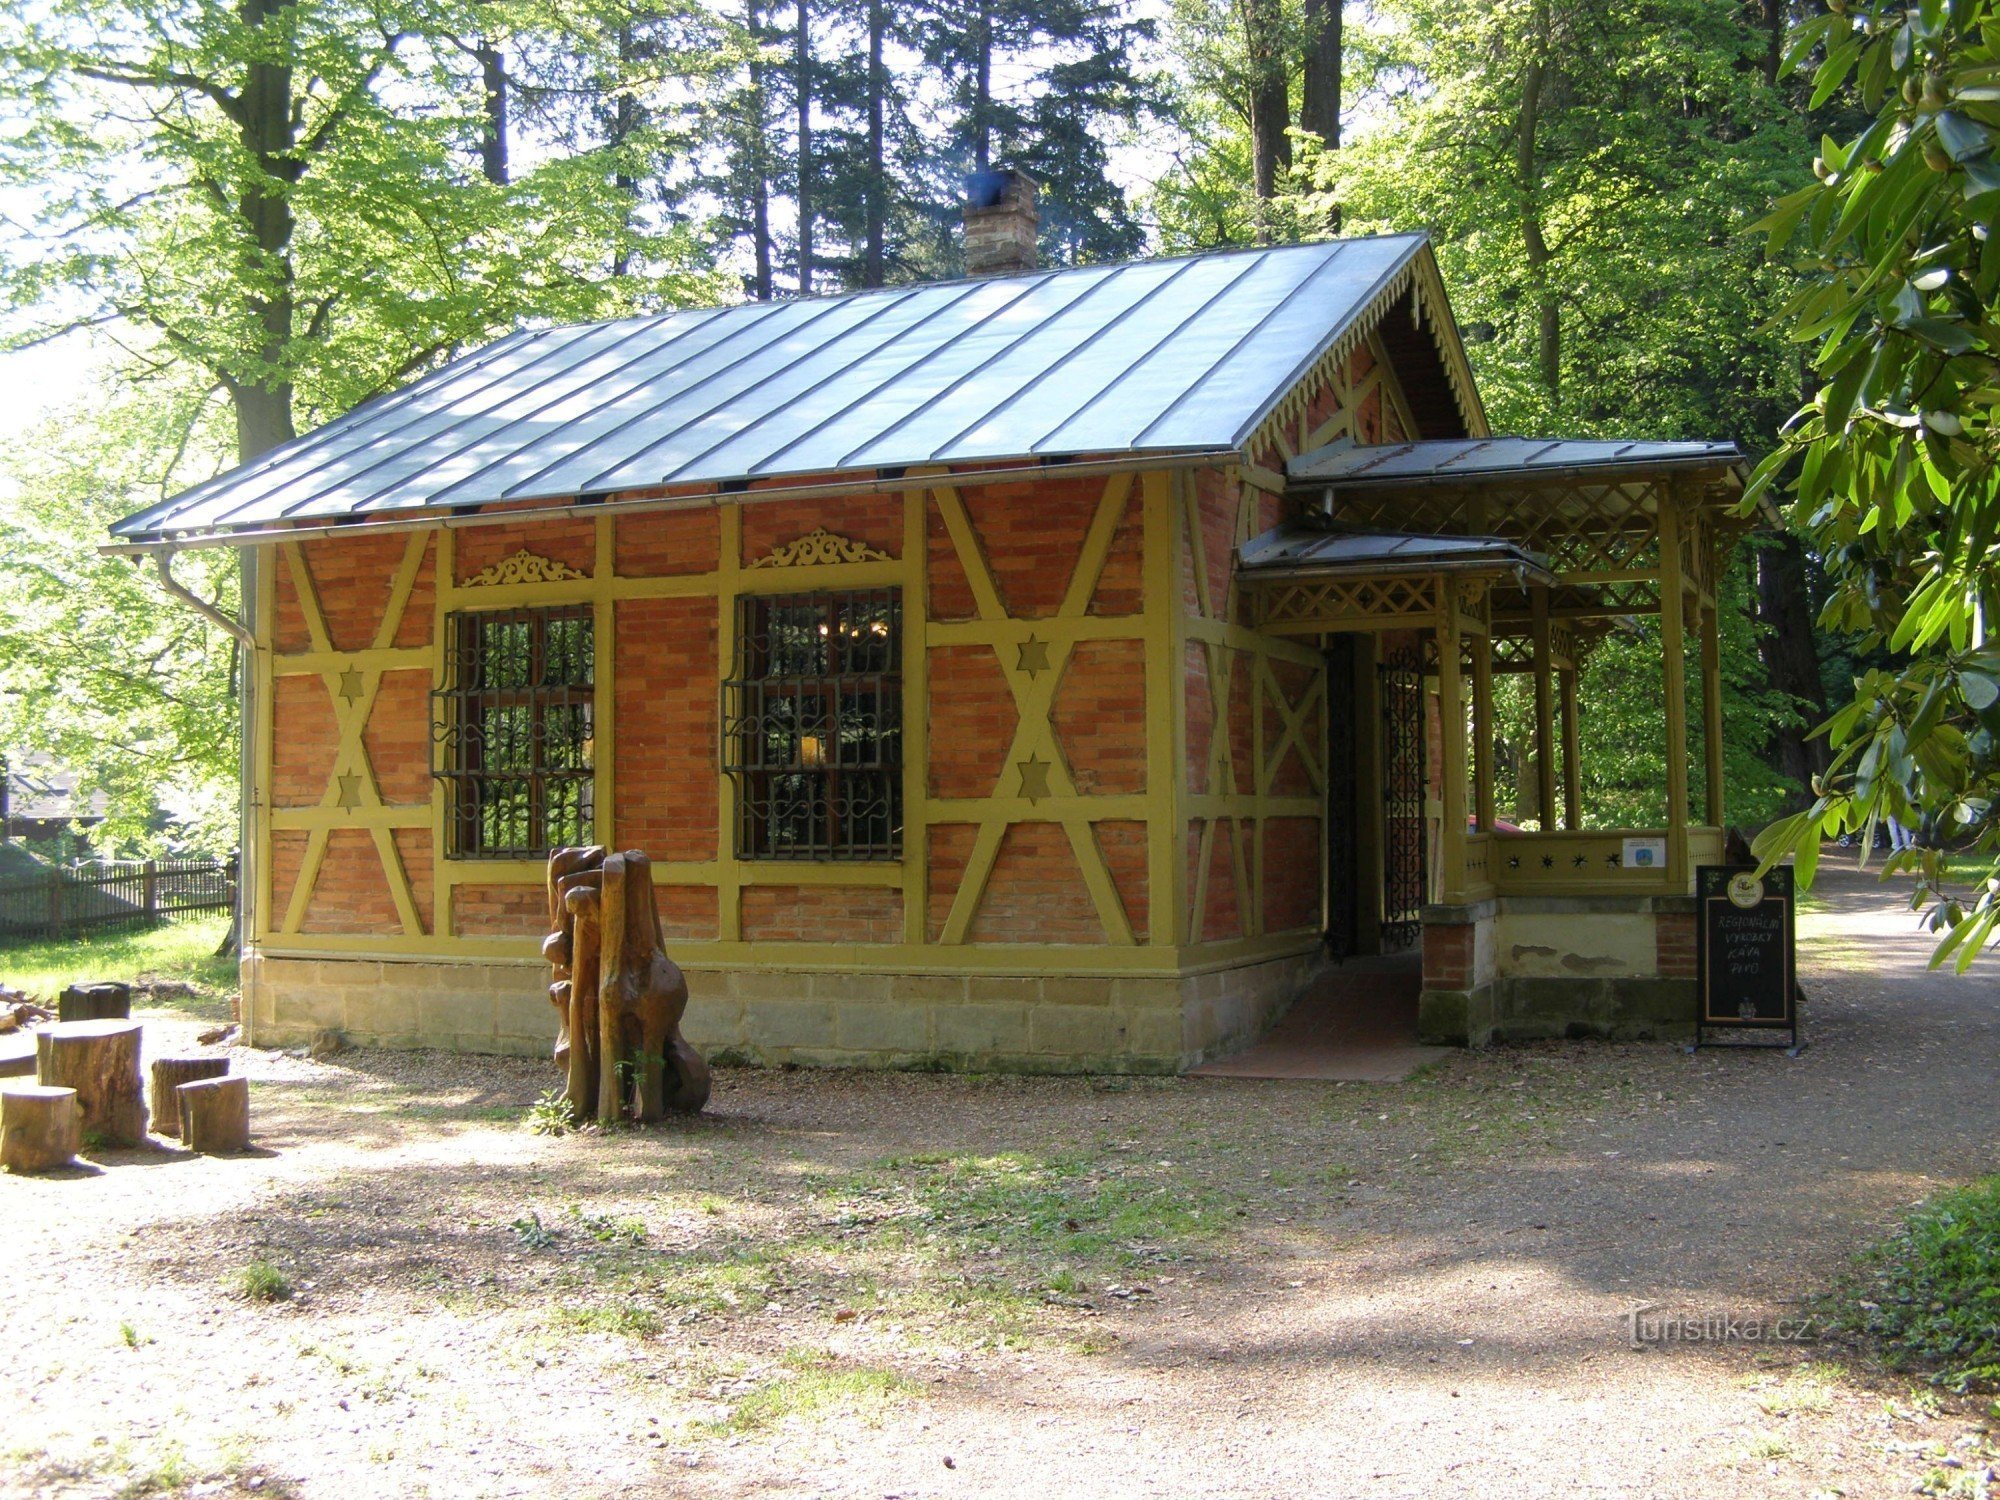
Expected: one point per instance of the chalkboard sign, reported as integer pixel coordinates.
(1745, 954)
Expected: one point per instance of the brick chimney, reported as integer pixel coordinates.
(1000, 223)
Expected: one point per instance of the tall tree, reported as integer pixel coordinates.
(1073, 74)
(802, 90)
(246, 176)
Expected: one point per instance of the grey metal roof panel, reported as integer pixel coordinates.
(1472, 460)
(1152, 356)
(1293, 548)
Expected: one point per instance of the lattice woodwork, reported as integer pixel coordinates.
(1384, 603)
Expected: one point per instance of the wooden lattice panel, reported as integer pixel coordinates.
(1369, 602)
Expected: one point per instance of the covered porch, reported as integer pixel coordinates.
(1453, 563)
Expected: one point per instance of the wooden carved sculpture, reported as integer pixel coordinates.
(619, 999)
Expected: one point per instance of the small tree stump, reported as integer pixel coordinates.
(95, 1002)
(100, 1060)
(40, 1127)
(169, 1073)
(215, 1115)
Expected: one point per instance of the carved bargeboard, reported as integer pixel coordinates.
(619, 999)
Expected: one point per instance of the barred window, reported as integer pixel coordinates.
(813, 726)
(515, 718)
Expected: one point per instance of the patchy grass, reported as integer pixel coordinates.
(260, 1281)
(808, 1383)
(1929, 1297)
(180, 952)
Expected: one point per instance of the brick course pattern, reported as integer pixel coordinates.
(397, 738)
(500, 910)
(822, 914)
(666, 713)
(1036, 892)
(1100, 716)
(666, 542)
(972, 721)
(876, 520)
(1673, 941)
(572, 543)
(1291, 877)
(302, 753)
(351, 894)
(1448, 956)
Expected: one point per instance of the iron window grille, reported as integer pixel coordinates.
(515, 718)
(813, 726)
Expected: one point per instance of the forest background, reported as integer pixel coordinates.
(240, 220)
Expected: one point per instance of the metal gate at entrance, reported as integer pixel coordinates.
(1400, 684)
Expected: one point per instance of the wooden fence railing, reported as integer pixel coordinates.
(105, 894)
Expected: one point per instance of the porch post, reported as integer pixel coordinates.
(1673, 653)
(1451, 746)
(1545, 733)
(1482, 730)
(1711, 711)
(1572, 752)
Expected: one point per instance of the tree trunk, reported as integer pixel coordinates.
(874, 266)
(100, 1060)
(624, 124)
(982, 88)
(760, 168)
(1270, 104)
(169, 1073)
(40, 1127)
(215, 1115)
(1791, 657)
(1548, 311)
(493, 133)
(269, 129)
(1319, 109)
(802, 65)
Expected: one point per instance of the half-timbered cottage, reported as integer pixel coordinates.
(1049, 669)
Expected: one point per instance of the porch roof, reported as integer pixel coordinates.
(1301, 550)
(1501, 460)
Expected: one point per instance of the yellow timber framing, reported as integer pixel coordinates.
(1226, 802)
(1163, 498)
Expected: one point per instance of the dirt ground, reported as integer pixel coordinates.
(924, 1285)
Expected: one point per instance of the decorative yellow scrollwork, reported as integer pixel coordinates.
(820, 546)
(523, 567)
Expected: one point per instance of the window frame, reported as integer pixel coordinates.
(792, 737)
(464, 700)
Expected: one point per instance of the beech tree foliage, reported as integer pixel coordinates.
(1892, 463)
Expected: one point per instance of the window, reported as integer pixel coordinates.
(516, 722)
(813, 726)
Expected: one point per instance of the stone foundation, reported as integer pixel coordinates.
(1048, 1024)
(1521, 968)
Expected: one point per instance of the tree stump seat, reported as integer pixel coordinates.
(100, 1060)
(169, 1073)
(215, 1115)
(41, 1127)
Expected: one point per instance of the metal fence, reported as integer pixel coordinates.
(103, 894)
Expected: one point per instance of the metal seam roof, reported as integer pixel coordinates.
(1443, 460)
(1158, 356)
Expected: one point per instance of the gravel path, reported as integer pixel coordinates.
(1417, 1289)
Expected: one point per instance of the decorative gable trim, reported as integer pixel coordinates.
(523, 567)
(818, 547)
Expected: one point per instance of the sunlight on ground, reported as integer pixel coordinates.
(179, 951)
